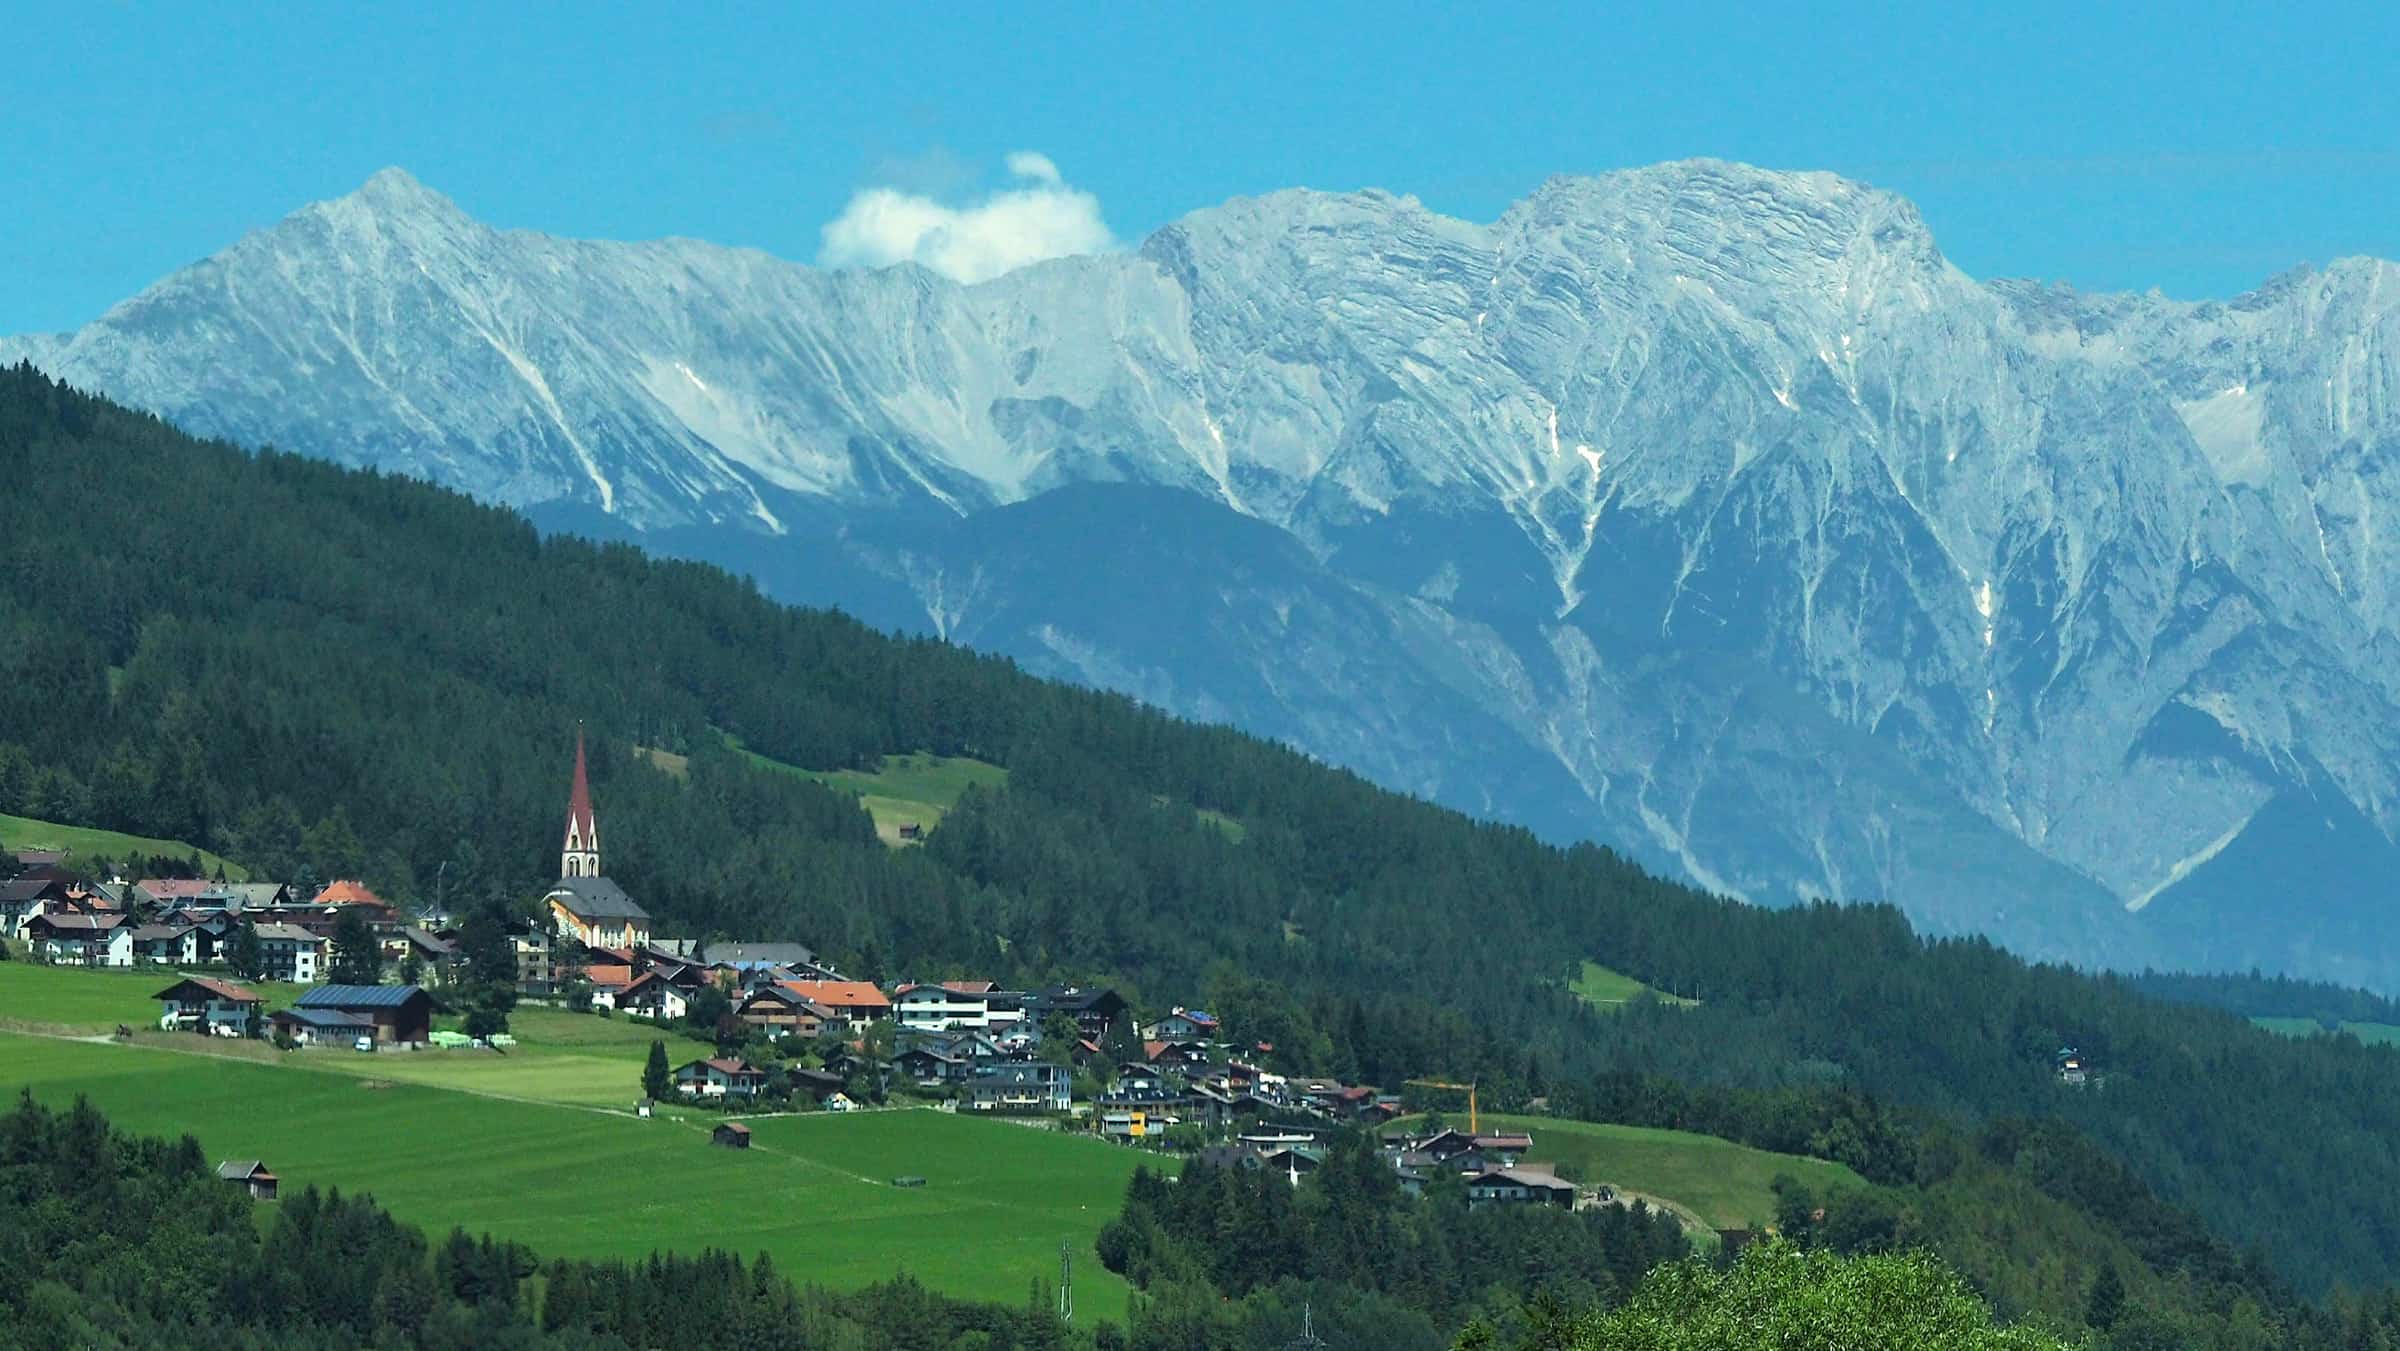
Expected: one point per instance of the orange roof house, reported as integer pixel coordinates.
(345, 891)
(608, 975)
(850, 998)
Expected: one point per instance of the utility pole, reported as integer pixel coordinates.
(1066, 1281)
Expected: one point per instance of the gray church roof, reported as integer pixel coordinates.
(596, 898)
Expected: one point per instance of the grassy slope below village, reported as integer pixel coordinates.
(84, 842)
(813, 1191)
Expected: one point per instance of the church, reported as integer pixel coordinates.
(585, 905)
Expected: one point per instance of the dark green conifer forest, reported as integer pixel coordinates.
(320, 672)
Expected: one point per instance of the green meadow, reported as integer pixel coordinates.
(2373, 1034)
(1606, 989)
(578, 1059)
(908, 790)
(79, 1000)
(813, 1191)
(82, 842)
(1728, 1186)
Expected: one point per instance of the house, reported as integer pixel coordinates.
(2073, 1070)
(938, 1008)
(794, 960)
(1294, 1162)
(536, 953)
(398, 1013)
(855, 1002)
(168, 893)
(251, 1176)
(720, 1078)
(40, 858)
(972, 1047)
(1123, 1123)
(350, 891)
(167, 944)
(240, 896)
(209, 931)
(785, 1012)
(22, 898)
(323, 1027)
(608, 980)
(287, 952)
(1022, 1088)
(1185, 1053)
(818, 1084)
(651, 995)
(1233, 1156)
(82, 940)
(1093, 1011)
(1446, 1145)
(1507, 1146)
(198, 1004)
(1184, 1025)
(1520, 1185)
(436, 957)
(929, 1066)
(730, 1134)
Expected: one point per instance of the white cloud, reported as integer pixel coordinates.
(1039, 218)
(1035, 165)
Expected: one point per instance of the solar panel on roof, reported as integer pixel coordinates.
(357, 996)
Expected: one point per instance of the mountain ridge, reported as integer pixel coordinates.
(1709, 510)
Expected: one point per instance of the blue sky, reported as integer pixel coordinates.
(2198, 148)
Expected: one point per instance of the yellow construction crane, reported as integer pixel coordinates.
(1474, 1121)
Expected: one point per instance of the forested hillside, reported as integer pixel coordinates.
(315, 669)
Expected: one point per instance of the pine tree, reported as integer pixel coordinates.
(357, 957)
(658, 1082)
(242, 951)
(2107, 1303)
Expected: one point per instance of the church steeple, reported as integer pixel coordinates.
(581, 855)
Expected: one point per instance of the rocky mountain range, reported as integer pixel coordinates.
(1704, 511)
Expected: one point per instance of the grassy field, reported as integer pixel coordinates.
(909, 790)
(19, 832)
(1727, 1185)
(577, 1059)
(813, 1191)
(1606, 989)
(2373, 1034)
(573, 1058)
(75, 999)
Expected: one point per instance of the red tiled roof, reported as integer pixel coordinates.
(969, 986)
(839, 994)
(609, 975)
(174, 888)
(346, 891)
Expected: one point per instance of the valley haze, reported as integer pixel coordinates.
(1705, 511)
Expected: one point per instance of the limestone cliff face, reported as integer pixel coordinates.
(1703, 510)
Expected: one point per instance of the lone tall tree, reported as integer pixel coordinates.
(357, 957)
(658, 1082)
(242, 951)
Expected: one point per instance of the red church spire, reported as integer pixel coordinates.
(581, 855)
